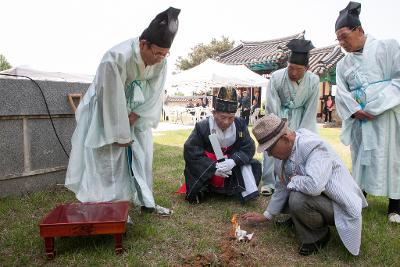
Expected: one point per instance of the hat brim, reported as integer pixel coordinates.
(264, 146)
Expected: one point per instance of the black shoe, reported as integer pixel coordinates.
(288, 223)
(145, 209)
(197, 199)
(248, 198)
(308, 249)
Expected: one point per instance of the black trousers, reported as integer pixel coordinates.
(328, 115)
(246, 115)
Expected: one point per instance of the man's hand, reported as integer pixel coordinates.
(226, 165)
(362, 115)
(254, 217)
(133, 117)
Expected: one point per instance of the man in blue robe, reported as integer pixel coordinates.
(112, 146)
(292, 93)
(368, 102)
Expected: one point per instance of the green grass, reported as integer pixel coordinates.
(195, 234)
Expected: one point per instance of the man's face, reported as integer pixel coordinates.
(296, 72)
(151, 53)
(223, 119)
(350, 39)
(281, 149)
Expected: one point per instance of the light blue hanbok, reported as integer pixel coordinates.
(370, 80)
(98, 169)
(296, 102)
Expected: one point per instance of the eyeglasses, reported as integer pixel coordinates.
(345, 35)
(269, 150)
(158, 54)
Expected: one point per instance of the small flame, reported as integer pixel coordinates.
(237, 233)
(235, 225)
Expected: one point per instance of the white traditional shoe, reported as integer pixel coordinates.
(394, 218)
(266, 190)
(163, 211)
(129, 220)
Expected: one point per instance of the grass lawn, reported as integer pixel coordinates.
(196, 235)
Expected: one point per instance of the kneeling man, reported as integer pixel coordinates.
(219, 154)
(315, 187)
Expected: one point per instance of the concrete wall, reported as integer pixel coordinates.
(31, 157)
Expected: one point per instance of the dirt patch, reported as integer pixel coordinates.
(199, 260)
(231, 253)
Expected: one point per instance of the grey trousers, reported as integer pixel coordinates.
(311, 216)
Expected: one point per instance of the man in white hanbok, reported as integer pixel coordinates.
(292, 93)
(368, 102)
(112, 146)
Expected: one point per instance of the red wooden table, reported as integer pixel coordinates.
(82, 219)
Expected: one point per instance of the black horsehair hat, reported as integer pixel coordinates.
(226, 101)
(300, 51)
(349, 17)
(162, 28)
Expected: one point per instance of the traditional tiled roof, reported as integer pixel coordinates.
(275, 52)
(324, 58)
(258, 52)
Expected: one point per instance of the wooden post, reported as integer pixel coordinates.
(71, 100)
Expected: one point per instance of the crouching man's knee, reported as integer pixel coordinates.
(297, 202)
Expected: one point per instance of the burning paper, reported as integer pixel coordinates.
(236, 232)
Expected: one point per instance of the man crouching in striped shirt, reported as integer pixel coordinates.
(315, 187)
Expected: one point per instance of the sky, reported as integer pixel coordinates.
(72, 35)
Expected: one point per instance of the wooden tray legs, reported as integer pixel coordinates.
(49, 245)
(118, 243)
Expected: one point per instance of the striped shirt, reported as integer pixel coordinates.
(315, 168)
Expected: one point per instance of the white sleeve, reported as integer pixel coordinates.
(318, 170)
(109, 121)
(346, 105)
(389, 96)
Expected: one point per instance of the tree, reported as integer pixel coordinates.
(202, 52)
(4, 65)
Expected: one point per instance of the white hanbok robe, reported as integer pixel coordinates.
(98, 169)
(371, 81)
(296, 102)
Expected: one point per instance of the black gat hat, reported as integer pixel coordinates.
(163, 28)
(349, 17)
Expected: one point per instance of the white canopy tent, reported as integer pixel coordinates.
(211, 73)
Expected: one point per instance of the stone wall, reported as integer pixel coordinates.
(30, 154)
